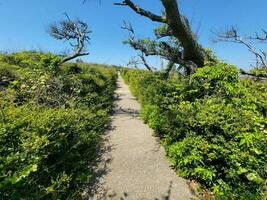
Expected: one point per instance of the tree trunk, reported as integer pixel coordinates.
(168, 69)
(182, 31)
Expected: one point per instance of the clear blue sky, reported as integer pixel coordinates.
(24, 22)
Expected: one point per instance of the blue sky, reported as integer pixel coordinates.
(24, 23)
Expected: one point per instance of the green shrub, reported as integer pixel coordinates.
(33, 60)
(49, 144)
(51, 123)
(213, 128)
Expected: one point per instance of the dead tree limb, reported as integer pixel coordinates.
(260, 37)
(133, 62)
(232, 35)
(75, 31)
(169, 50)
(182, 31)
(144, 61)
(176, 26)
(141, 11)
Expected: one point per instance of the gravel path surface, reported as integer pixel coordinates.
(134, 166)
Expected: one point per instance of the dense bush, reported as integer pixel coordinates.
(33, 59)
(50, 125)
(213, 128)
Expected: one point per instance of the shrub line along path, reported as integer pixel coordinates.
(135, 165)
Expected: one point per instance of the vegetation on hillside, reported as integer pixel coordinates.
(211, 122)
(213, 128)
(51, 121)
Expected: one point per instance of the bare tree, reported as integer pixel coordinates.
(167, 47)
(182, 46)
(142, 54)
(232, 35)
(76, 32)
(133, 62)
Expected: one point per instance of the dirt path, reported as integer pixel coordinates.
(135, 166)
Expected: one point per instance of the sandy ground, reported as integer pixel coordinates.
(134, 166)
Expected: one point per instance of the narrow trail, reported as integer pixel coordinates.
(135, 166)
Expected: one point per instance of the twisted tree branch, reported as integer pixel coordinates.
(72, 30)
(142, 11)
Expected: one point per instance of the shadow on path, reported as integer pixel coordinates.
(107, 194)
(131, 163)
(99, 166)
(128, 112)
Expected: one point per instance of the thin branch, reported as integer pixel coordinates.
(142, 11)
(169, 68)
(134, 61)
(127, 26)
(143, 59)
(260, 38)
(231, 35)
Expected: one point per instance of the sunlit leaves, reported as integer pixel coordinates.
(50, 124)
(214, 128)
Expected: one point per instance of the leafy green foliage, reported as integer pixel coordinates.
(32, 59)
(213, 128)
(50, 125)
